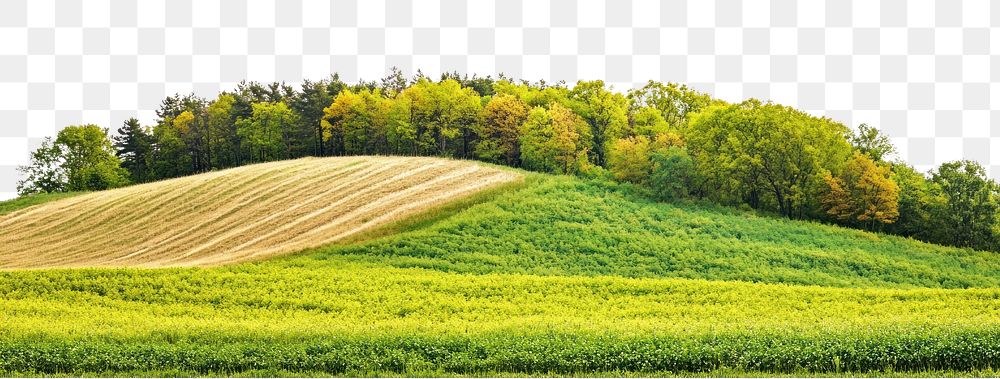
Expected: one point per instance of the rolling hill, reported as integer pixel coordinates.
(234, 215)
(556, 276)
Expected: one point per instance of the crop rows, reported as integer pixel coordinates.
(234, 215)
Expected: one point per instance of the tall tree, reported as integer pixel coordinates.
(443, 115)
(44, 173)
(220, 128)
(918, 200)
(765, 155)
(863, 193)
(869, 141)
(554, 140)
(647, 121)
(309, 104)
(133, 143)
(629, 159)
(673, 173)
(503, 116)
(970, 214)
(266, 131)
(674, 102)
(394, 83)
(89, 159)
(605, 111)
(359, 119)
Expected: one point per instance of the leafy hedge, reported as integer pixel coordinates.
(513, 353)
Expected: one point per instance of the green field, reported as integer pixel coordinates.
(557, 275)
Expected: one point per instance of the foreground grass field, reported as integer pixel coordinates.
(554, 276)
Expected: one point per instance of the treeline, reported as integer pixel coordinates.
(676, 142)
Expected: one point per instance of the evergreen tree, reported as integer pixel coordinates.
(133, 144)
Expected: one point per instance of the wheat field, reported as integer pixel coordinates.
(235, 215)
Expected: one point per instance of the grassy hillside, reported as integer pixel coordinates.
(234, 215)
(558, 276)
(567, 226)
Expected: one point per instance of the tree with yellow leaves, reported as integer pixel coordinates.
(499, 131)
(628, 159)
(554, 140)
(863, 193)
(631, 159)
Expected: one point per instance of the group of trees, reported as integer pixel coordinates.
(676, 142)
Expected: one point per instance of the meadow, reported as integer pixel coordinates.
(554, 276)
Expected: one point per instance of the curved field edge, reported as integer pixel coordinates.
(234, 215)
(18, 203)
(429, 216)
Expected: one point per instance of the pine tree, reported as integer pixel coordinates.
(133, 144)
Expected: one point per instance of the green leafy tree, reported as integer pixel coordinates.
(266, 131)
(169, 158)
(918, 200)
(869, 141)
(554, 140)
(44, 173)
(309, 105)
(969, 216)
(629, 159)
(765, 155)
(221, 132)
(359, 120)
(647, 121)
(674, 102)
(443, 116)
(605, 111)
(400, 133)
(673, 173)
(89, 159)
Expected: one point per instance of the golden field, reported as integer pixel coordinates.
(235, 215)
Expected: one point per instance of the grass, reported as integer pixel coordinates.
(568, 227)
(22, 202)
(554, 276)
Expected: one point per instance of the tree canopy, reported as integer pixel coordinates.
(676, 143)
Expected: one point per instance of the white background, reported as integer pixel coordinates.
(923, 71)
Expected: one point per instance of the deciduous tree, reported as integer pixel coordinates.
(765, 155)
(89, 159)
(674, 102)
(44, 173)
(629, 159)
(869, 141)
(863, 193)
(605, 111)
(969, 216)
(266, 131)
(554, 140)
(498, 132)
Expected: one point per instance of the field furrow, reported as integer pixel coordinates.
(234, 215)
